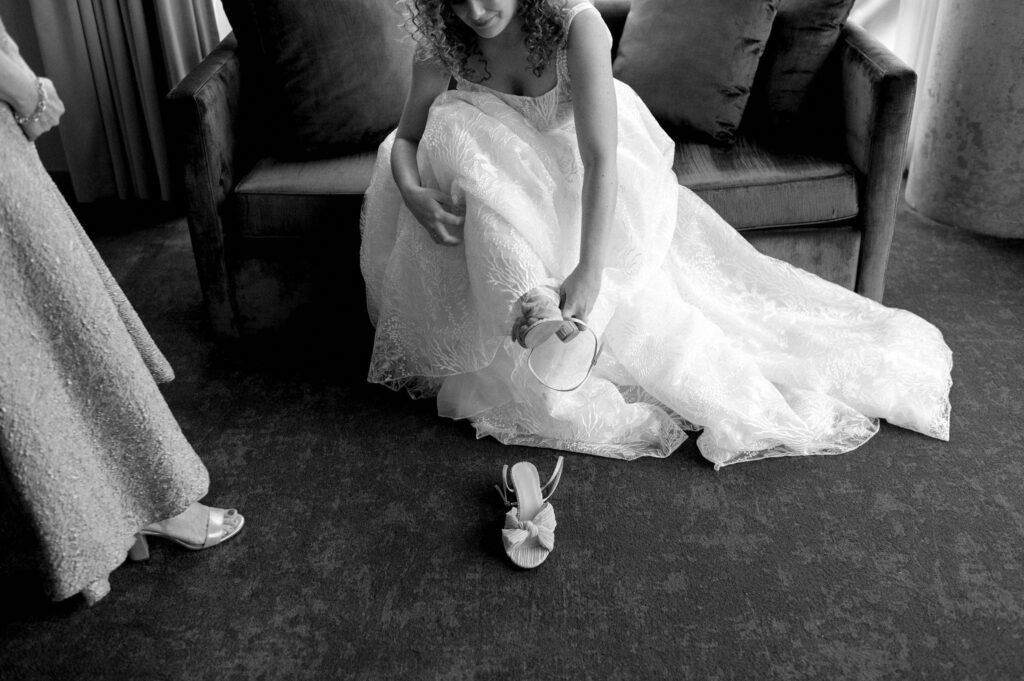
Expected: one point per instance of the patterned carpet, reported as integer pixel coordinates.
(372, 547)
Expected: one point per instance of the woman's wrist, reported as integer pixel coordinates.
(407, 189)
(588, 270)
(17, 85)
(403, 167)
(31, 109)
(592, 259)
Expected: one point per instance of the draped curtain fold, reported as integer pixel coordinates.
(915, 38)
(113, 62)
(907, 27)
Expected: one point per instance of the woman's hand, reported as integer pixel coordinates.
(433, 209)
(438, 214)
(19, 89)
(579, 292)
(51, 115)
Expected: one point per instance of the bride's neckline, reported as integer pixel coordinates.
(553, 88)
(496, 91)
(573, 11)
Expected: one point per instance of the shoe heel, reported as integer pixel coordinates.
(140, 549)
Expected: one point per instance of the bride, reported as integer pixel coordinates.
(540, 172)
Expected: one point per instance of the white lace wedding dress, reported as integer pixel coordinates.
(699, 329)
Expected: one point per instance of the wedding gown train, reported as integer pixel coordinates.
(699, 329)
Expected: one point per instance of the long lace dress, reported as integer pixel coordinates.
(89, 450)
(699, 329)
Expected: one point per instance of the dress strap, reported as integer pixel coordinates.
(6, 44)
(576, 9)
(563, 61)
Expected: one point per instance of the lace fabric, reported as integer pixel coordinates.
(699, 329)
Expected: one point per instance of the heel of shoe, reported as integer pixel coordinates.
(139, 550)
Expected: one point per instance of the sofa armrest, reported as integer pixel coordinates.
(878, 99)
(204, 109)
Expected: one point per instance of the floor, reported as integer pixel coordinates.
(372, 546)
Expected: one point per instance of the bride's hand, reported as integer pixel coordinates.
(580, 290)
(438, 214)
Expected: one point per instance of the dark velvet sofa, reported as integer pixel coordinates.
(273, 238)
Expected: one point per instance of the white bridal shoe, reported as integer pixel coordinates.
(561, 352)
(529, 533)
(539, 318)
(221, 524)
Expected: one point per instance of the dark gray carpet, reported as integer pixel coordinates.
(372, 547)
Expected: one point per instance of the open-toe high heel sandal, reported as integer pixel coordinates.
(562, 366)
(540, 317)
(529, 533)
(218, 530)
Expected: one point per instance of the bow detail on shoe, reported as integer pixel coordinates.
(542, 526)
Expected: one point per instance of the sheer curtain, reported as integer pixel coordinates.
(907, 27)
(878, 17)
(113, 62)
(915, 37)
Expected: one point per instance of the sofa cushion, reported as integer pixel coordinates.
(283, 198)
(753, 187)
(693, 61)
(802, 37)
(749, 185)
(336, 71)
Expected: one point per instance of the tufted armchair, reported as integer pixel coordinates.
(273, 237)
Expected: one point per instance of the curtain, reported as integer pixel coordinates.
(915, 36)
(907, 27)
(877, 17)
(113, 62)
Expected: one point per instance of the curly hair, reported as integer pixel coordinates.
(442, 37)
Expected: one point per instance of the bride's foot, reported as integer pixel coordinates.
(198, 527)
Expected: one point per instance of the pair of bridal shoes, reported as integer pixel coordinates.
(221, 524)
(529, 532)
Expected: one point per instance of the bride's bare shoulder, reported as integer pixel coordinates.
(585, 23)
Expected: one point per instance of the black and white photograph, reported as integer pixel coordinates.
(511, 339)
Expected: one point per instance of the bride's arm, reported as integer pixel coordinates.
(432, 208)
(594, 108)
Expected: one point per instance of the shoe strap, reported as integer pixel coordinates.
(598, 348)
(552, 484)
(506, 491)
(215, 525)
(504, 497)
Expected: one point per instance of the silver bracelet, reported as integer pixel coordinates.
(40, 106)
